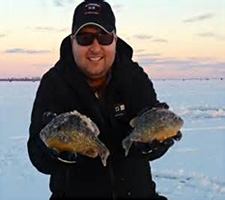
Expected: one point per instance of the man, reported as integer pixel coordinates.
(96, 76)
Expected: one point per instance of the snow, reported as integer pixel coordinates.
(19, 180)
(193, 169)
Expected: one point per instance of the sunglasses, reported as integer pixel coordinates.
(86, 39)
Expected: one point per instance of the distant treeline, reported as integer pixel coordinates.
(156, 79)
(21, 79)
(187, 79)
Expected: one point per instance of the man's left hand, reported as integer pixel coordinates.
(155, 149)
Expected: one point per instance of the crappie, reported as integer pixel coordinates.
(72, 131)
(154, 124)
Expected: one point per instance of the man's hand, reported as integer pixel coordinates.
(155, 149)
(161, 105)
(64, 156)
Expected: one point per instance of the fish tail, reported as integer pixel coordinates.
(127, 142)
(103, 152)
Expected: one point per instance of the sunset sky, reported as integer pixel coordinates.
(170, 38)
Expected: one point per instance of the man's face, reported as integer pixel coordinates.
(93, 60)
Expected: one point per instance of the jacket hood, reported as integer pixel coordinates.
(123, 50)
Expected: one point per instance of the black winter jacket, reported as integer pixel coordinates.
(63, 88)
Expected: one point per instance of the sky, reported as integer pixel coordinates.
(170, 38)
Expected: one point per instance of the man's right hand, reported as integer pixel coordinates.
(64, 156)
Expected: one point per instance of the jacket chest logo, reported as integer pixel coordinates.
(119, 109)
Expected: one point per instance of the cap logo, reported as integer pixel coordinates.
(92, 8)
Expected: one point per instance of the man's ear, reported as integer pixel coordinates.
(71, 38)
(115, 36)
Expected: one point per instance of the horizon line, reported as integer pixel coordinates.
(37, 78)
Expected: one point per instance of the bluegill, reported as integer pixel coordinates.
(154, 124)
(72, 131)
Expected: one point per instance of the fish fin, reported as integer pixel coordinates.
(126, 143)
(104, 154)
(91, 153)
(133, 122)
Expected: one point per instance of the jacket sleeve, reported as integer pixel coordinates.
(143, 95)
(39, 154)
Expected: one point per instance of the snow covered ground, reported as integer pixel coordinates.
(193, 169)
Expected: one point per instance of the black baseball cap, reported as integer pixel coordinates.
(93, 12)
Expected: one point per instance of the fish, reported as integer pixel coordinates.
(156, 124)
(74, 132)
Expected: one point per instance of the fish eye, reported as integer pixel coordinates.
(163, 119)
